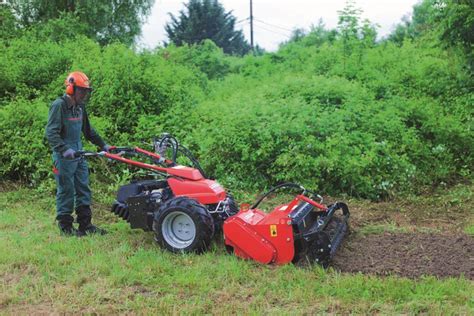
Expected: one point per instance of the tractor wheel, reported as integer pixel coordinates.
(183, 225)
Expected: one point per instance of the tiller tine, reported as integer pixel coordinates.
(121, 210)
(341, 227)
(319, 242)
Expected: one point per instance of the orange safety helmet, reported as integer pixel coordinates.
(76, 79)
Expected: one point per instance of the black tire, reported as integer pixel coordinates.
(191, 213)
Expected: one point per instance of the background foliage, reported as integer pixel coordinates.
(332, 109)
(102, 20)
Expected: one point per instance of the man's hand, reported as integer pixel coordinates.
(69, 153)
(106, 148)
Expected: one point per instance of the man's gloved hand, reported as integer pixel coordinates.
(69, 153)
(106, 148)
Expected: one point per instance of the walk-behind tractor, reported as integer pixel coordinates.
(181, 206)
(184, 209)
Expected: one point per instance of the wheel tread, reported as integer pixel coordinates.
(204, 232)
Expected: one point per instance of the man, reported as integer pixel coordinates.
(67, 120)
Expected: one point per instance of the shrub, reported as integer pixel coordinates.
(24, 154)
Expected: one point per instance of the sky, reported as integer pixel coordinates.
(275, 19)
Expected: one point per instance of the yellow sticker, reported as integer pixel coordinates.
(273, 230)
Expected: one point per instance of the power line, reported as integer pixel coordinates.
(268, 30)
(243, 20)
(273, 25)
(242, 24)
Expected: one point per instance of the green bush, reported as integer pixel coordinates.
(28, 65)
(23, 154)
(128, 85)
(327, 138)
(206, 57)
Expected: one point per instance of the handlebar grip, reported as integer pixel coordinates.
(78, 153)
(85, 153)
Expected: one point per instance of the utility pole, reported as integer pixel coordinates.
(251, 26)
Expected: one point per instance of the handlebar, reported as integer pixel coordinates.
(113, 150)
(85, 153)
(118, 157)
(116, 149)
(160, 146)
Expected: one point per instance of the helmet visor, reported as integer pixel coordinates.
(83, 94)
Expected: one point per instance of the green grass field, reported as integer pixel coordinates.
(125, 272)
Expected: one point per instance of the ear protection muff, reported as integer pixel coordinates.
(70, 86)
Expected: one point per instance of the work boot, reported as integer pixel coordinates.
(84, 218)
(65, 225)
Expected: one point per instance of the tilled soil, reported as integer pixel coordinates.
(407, 254)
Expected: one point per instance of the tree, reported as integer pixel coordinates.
(348, 27)
(316, 36)
(457, 26)
(349, 19)
(8, 23)
(425, 18)
(369, 33)
(401, 31)
(297, 35)
(106, 21)
(207, 19)
(319, 34)
(452, 21)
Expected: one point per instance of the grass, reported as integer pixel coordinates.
(125, 272)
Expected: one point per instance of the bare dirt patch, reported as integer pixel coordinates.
(408, 254)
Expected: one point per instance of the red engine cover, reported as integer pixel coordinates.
(266, 238)
(185, 172)
(204, 191)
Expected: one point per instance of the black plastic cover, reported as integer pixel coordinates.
(140, 212)
(135, 188)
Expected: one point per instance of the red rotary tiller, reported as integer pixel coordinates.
(302, 231)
